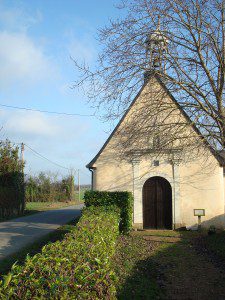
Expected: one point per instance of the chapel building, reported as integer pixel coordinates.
(158, 154)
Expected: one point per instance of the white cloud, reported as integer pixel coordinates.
(28, 124)
(25, 61)
(16, 19)
(21, 60)
(36, 126)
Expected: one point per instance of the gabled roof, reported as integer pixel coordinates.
(217, 155)
(222, 155)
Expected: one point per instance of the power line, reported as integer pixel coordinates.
(40, 155)
(84, 173)
(49, 160)
(43, 157)
(46, 111)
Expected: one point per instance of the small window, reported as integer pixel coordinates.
(156, 163)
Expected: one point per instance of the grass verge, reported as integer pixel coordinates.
(167, 265)
(135, 269)
(214, 245)
(43, 206)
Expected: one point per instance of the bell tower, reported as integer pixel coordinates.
(156, 49)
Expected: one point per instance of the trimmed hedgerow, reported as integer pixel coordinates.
(12, 197)
(124, 200)
(79, 267)
(12, 200)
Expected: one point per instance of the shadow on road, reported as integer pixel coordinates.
(36, 247)
(20, 232)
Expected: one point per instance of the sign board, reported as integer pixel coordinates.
(199, 212)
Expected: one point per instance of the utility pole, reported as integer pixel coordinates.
(22, 173)
(22, 154)
(71, 184)
(78, 175)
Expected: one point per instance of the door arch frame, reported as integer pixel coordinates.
(175, 194)
(171, 195)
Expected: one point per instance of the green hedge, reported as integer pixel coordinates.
(79, 267)
(124, 200)
(12, 199)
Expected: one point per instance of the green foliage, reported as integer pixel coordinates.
(11, 181)
(9, 158)
(78, 267)
(34, 248)
(212, 230)
(48, 188)
(135, 268)
(124, 200)
(214, 244)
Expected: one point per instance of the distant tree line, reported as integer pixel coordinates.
(83, 187)
(47, 187)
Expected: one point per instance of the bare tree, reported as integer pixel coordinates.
(192, 65)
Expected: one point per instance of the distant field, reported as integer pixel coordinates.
(32, 207)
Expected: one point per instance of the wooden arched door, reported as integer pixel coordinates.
(157, 203)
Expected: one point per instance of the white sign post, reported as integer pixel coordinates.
(199, 213)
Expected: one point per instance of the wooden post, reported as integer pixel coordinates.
(22, 154)
(71, 186)
(199, 212)
(78, 174)
(22, 160)
(199, 222)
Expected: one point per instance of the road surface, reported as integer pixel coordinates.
(20, 232)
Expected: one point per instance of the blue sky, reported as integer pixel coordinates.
(37, 39)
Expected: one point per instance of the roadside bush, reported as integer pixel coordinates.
(79, 267)
(11, 194)
(124, 200)
(49, 188)
(11, 181)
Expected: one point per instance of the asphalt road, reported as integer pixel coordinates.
(20, 232)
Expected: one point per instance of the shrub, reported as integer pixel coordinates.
(11, 194)
(11, 181)
(124, 200)
(79, 267)
(48, 188)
